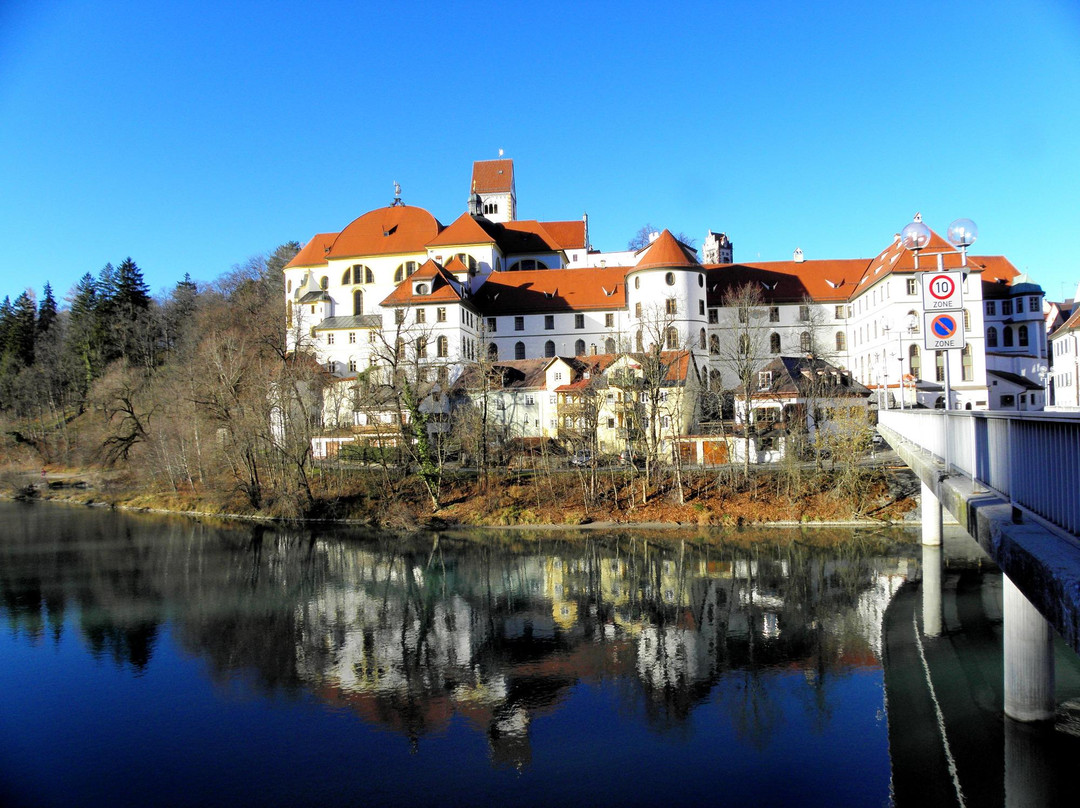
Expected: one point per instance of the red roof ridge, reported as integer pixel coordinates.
(463, 230)
(314, 252)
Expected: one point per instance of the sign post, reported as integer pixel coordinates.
(943, 326)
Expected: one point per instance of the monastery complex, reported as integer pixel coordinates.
(539, 301)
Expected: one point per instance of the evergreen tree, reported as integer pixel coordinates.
(47, 312)
(179, 311)
(23, 329)
(132, 293)
(82, 341)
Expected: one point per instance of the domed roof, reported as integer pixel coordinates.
(386, 231)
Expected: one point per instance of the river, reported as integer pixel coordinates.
(148, 660)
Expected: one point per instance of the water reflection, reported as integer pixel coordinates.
(410, 634)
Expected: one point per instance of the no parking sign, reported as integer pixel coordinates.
(943, 331)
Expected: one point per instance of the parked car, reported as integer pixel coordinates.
(581, 460)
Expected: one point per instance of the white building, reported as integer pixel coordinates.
(397, 280)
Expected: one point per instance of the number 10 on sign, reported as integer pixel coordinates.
(943, 291)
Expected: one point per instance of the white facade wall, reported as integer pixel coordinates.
(1066, 350)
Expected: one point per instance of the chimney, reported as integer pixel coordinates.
(797, 257)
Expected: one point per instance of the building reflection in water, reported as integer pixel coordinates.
(410, 640)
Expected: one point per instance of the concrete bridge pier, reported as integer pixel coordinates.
(1029, 658)
(931, 590)
(932, 516)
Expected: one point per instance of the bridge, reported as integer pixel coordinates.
(1012, 480)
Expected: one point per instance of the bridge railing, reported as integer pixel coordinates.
(1030, 458)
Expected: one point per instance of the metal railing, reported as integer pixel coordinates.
(1030, 458)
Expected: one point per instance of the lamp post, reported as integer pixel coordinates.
(1044, 372)
(910, 324)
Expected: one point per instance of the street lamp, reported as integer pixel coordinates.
(1043, 372)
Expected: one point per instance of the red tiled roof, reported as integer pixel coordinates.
(398, 229)
(442, 287)
(787, 281)
(463, 230)
(568, 235)
(666, 251)
(545, 290)
(492, 176)
(314, 252)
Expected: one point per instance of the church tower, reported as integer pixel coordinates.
(492, 190)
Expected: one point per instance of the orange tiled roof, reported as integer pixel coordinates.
(443, 287)
(787, 281)
(568, 235)
(314, 252)
(666, 251)
(395, 230)
(492, 176)
(463, 230)
(551, 290)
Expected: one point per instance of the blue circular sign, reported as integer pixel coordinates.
(943, 326)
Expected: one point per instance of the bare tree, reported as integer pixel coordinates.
(743, 353)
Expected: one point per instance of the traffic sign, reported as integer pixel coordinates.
(943, 291)
(943, 331)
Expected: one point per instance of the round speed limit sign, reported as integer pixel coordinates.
(942, 291)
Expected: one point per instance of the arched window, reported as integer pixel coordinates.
(1007, 336)
(593, 351)
(609, 345)
(841, 341)
(967, 364)
(914, 364)
(774, 343)
(701, 339)
(369, 276)
(672, 338)
(991, 337)
(357, 303)
(549, 349)
(914, 319)
(404, 270)
(714, 344)
(804, 341)
(442, 346)
(324, 283)
(519, 350)
(357, 273)
(526, 264)
(468, 261)
(493, 351)
(421, 347)
(579, 348)
(1022, 336)
(346, 279)
(939, 366)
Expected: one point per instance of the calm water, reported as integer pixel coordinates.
(151, 661)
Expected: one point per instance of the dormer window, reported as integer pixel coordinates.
(421, 289)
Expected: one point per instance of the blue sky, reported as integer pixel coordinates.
(193, 135)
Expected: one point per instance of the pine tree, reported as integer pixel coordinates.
(132, 293)
(47, 312)
(23, 329)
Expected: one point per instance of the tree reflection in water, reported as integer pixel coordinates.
(413, 633)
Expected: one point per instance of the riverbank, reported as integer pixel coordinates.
(768, 497)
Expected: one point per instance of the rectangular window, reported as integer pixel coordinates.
(352, 337)
(774, 314)
(1033, 304)
(1019, 305)
(558, 376)
(579, 321)
(804, 313)
(421, 317)
(637, 310)
(491, 325)
(352, 366)
(701, 307)
(991, 307)
(714, 316)
(912, 286)
(609, 320)
(549, 322)
(440, 314)
(519, 323)
(1006, 307)
(529, 399)
(399, 316)
(372, 336)
(329, 339)
(764, 379)
(551, 399)
(610, 423)
(671, 306)
(839, 313)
